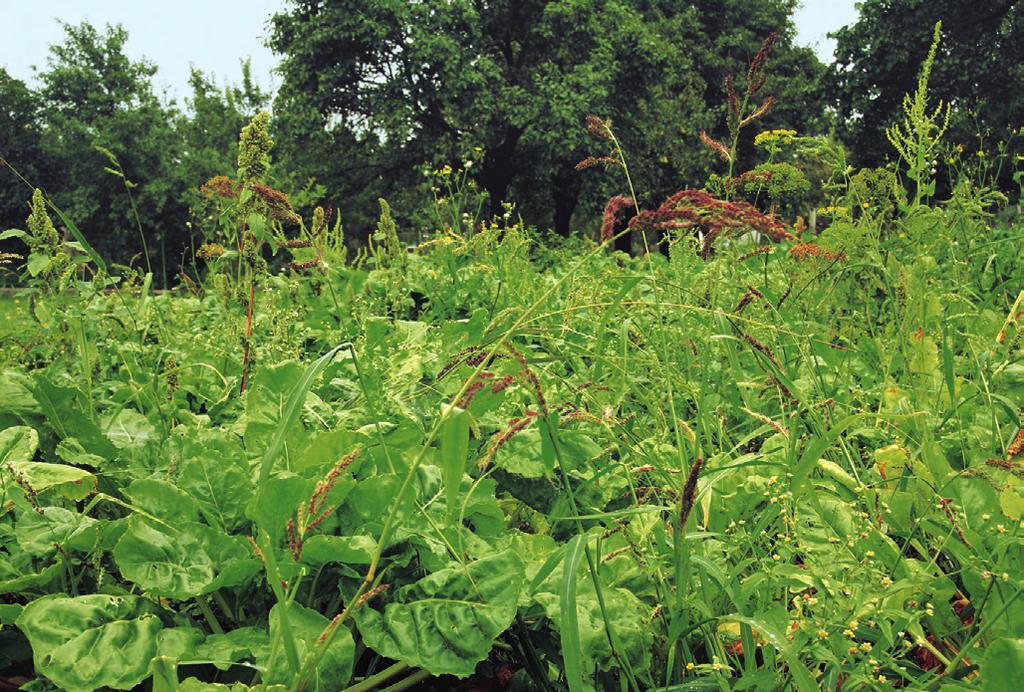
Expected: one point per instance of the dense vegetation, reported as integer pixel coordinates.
(374, 92)
(751, 455)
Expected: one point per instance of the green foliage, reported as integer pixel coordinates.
(877, 191)
(918, 137)
(523, 463)
(388, 86)
(878, 61)
(787, 187)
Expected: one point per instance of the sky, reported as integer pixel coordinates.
(214, 35)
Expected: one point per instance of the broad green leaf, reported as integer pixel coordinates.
(215, 474)
(276, 501)
(447, 622)
(627, 615)
(1003, 665)
(193, 560)
(16, 393)
(290, 412)
(197, 685)
(71, 451)
(164, 670)
(163, 500)
(37, 263)
(18, 444)
(178, 643)
(94, 641)
(64, 408)
(129, 429)
(16, 578)
(347, 550)
(66, 481)
(39, 533)
(265, 402)
(223, 650)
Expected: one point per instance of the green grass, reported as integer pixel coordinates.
(14, 316)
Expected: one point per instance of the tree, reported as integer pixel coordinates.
(979, 69)
(386, 85)
(21, 145)
(93, 95)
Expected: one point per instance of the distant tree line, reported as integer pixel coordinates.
(374, 91)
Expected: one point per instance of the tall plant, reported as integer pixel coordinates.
(918, 137)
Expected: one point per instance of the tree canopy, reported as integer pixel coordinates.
(387, 85)
(979, 69)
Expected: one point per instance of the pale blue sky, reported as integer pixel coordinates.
(214, 35)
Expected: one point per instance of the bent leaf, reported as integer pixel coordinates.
(193, 560)
(447, 622)
(92, 641)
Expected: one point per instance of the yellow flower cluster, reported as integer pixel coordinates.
(837, 211)
(773, 136)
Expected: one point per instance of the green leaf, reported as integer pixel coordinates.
(265, 403)
(129, 429)
(802, 677)
(1003, 665)
(163, 500)
(93, 255)
(165, 674)
(454, 454)
(63, 408)
(572, 655)
(290, 412)
(334, 669)
(67, 481)
(193, 559)
(447, 622)
(37, 263)
(18, 444)
(276, 501)
(346, 550)
(215, 474)
(224, 650)
(94, 641)
(16, 393)
(626, 614)
(12, 233)
(39, 532)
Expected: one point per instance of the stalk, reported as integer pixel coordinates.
(248, 334)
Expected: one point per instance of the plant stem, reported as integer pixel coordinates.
(208, 615)
(372, 681)
(408, 682)
(248, 335)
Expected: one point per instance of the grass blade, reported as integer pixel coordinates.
(572, 655)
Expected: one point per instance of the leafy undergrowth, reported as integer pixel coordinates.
(492, 464)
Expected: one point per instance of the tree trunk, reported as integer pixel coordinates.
(565, 193)
(498, 169)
